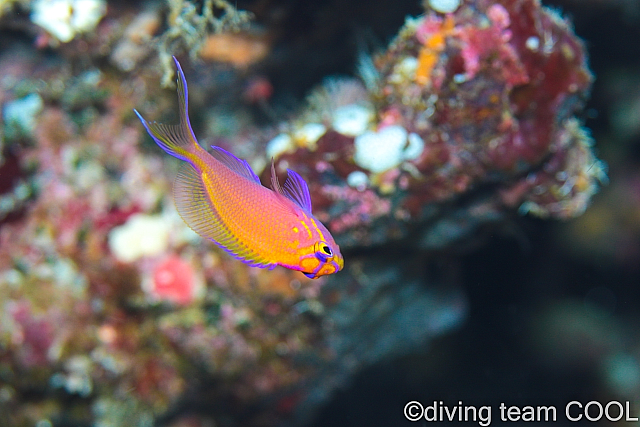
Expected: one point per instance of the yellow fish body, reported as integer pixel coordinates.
(220, 197)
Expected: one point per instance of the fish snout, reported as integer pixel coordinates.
(329, 267)
(332, 266)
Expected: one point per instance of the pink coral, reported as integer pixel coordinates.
(32, 335)
(491, 44)
(428, 27)
(173, 280)
(365, 206)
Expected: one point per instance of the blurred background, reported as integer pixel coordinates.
(484, 282)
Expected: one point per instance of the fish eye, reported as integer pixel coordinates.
(323, 249)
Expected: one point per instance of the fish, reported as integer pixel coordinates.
(221, 198)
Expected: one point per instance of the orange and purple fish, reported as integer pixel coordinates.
(220, 197)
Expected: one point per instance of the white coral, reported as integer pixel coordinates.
(142, 235)
(63, 19)
(387, 148)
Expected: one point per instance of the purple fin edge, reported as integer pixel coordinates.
(296, 189)
(250, 263)
(240, 166)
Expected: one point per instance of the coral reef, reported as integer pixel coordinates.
(113, 312)
(107, 296)
(481, 98)
(189, 28)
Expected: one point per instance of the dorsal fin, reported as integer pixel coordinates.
(295, 188)
(239, 166)
(275, 185)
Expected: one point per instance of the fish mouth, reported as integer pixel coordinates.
(337, 265)
(331, 267)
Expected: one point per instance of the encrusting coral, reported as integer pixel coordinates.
(468, 117)
(480, 98)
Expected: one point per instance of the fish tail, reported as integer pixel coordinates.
(177, 140)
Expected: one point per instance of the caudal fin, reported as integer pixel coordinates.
(177, 140)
